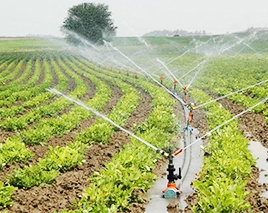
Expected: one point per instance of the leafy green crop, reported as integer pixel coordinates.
(63, 158)
(31, 176)
(6, 195)
(221, 183)
(130, 169)
(13, 150)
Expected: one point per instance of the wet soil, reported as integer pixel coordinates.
(69, 185)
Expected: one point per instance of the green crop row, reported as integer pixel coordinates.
(56, 159)
(34, 101)
(10, 112)
(6, 195)
(6, 95)
(66, 122)
(61, 158)
(130, 169)
(223, 75)
(13, 150)
(65, 158)
(12, 69)
(22, 122)
(14, 92)
(221, 183)
(45, 96)
(24, 155)
(5, 63)
(102, 131)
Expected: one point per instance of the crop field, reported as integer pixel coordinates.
(55, 156)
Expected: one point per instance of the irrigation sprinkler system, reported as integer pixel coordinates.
(80, 103)
(172, 190)
(226, 122)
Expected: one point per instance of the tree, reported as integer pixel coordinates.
(88, 21)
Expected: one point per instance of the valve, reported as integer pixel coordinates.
(172, 191)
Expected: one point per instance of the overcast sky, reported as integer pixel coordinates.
(137, 17)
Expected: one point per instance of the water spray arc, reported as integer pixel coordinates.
(232, 93)
(161, 62)
(147, 74)
(201, 63)
(224, 123)
(171, 190)
(80, 103)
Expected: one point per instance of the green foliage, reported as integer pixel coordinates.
(63, 158)
(131, 168)
(100, 132)
(221, 183)
(31, 176)
(88, 21)
(223, 75)
(13, 150)
(163, 118)
(221, 195)
(6, 195)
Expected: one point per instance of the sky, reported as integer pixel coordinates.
(136, 17)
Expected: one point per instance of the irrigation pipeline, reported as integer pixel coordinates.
(232, 93)
(188, 144)
(80, 103)
(187, 158)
